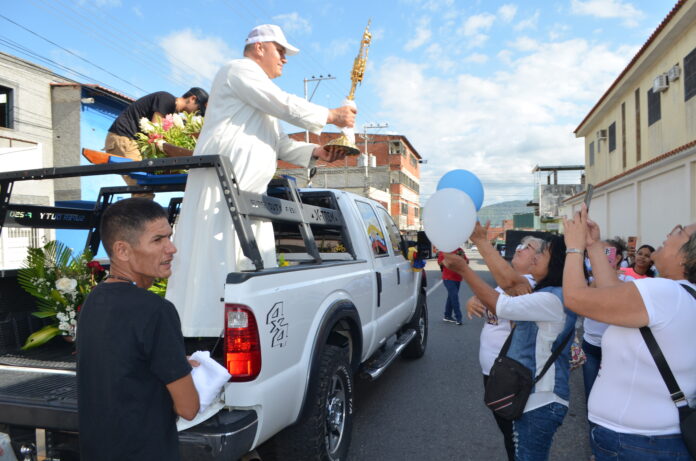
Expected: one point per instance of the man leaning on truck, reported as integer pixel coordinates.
(132, 372)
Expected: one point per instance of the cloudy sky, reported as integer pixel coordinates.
(494, 87)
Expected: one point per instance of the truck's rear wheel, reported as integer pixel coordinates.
(419, 322)
(324, 434)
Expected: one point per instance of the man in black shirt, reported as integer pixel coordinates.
(121, 137)
(132, 372)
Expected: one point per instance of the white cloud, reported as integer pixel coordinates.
(293, 23)
(195, 57)
(423, 34)
(501, 125)
(607, 9)
(137, 11)
(529, 23)
(476, 58)
(438, 58)
(525, 44)
(477, 24)
(507, 12)
(336, 47)
(475, 28)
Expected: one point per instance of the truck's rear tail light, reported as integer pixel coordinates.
(242, 344)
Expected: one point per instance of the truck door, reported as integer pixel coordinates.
(403, 293)
(385, 271)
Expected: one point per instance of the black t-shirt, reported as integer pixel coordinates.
(129, 348)
(127, 124)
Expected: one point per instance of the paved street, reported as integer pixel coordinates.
(433, 408)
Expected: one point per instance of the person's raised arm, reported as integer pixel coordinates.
(487, 295)
(619, 305)
(505, 276)
(474, 308)
(603, 272)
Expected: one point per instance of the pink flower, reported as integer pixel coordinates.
(152, 137)
(168, 122)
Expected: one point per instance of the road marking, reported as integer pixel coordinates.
(433, 288)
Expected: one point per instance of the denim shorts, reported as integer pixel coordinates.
(616, 446)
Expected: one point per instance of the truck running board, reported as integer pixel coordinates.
(374, 368)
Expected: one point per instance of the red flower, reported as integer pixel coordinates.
(95, 267)
(154, 137)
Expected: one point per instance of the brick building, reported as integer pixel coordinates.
(391, 174)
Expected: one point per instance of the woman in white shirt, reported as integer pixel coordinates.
(630, 406)
(541, 325)
(594, 330)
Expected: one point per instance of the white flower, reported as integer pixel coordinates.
(146, 126)
(178, 121)
(66, 285)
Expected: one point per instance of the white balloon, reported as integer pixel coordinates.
(449, 218)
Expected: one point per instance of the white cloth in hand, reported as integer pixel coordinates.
(349, 132)
(208, 377)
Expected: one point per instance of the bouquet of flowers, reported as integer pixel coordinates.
(177, 129)
(60, 282)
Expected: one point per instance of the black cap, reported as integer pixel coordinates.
(201, 97)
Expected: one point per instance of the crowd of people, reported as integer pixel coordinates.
(550, 285)
(530, 317)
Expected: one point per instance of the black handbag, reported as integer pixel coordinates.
(687, 415)
(510, 383)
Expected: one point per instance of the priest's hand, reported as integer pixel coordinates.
(321, 154)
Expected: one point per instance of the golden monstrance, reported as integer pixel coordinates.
(346, 142)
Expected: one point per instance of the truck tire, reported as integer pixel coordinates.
(419, 322)
(324, 434)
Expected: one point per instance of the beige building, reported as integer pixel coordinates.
(640, 137)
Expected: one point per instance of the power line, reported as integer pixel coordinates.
(70, 52)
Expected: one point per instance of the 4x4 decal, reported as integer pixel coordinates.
(279, 327)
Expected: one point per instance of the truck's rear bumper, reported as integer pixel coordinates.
(226, 436)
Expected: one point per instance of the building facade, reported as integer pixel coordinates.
(389, 174)
(640, 137)
(45, 121)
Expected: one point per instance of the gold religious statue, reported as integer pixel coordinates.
(345, 143)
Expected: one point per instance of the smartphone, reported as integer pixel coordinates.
(588, 196)
(611, 254)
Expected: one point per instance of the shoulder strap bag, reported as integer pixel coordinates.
(687, 415)
(510, 383)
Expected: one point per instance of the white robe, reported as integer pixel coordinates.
(242, 123)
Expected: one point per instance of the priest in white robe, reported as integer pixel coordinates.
(242, 122)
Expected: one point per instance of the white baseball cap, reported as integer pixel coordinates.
(271, 33)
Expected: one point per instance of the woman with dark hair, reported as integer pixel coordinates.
(633, 415)
(542, 324)
(642, 264)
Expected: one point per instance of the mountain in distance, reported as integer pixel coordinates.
(498, 212)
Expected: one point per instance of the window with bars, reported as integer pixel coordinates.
(690, 75)
(654, 108)
(404, 209)
(6, 107)
(591, 153)
(612, 137)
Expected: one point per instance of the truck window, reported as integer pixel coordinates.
(392, 230)
(373, 228)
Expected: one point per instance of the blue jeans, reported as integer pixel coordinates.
(452, 304)
(533, 431)
(608, 445)
(591, 366)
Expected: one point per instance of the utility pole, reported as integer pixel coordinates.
(318, 80)
(369, 126)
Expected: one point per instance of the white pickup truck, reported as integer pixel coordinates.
(345, 301)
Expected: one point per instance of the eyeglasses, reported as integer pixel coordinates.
(524, 246)
(678, 229)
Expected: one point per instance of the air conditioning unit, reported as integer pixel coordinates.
(674, 73)
(601, 134)
(661, 83)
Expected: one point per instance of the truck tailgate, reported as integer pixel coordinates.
(38, 397)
